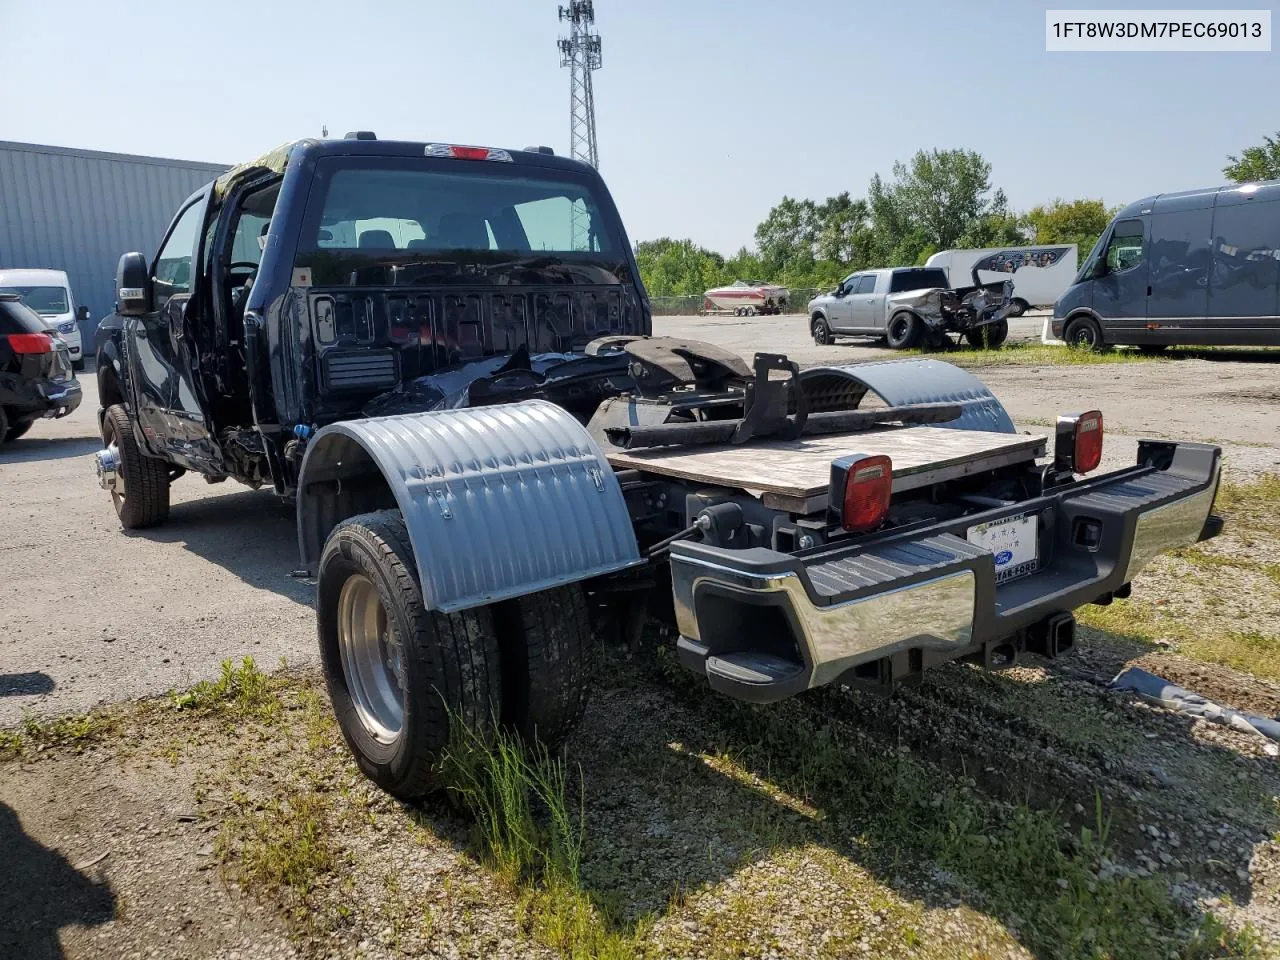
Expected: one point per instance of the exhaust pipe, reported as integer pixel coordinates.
(1053, 636)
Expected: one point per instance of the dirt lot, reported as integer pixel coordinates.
(962, 818)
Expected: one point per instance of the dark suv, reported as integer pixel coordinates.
(35, 371)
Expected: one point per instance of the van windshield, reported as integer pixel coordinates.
(46, 301)
(404, 221)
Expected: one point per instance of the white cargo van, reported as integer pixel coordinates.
(48, 293)
(1040, 274)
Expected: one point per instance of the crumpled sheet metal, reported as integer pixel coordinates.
(1162, 693)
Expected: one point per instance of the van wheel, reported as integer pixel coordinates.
(398, 674)
(140, 488)
(1084, 334)
(1020, 307)
(904, 331)
(821, 332)
(546, 648)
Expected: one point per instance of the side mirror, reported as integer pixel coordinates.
(83, 314)
(133, 286)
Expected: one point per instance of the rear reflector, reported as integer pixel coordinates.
(456, 152)
(1078, 444)
(858, 495)
(30, 343)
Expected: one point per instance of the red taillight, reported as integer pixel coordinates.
(867, 486)
(1088, 441)
(1077, 446)
(30, 343)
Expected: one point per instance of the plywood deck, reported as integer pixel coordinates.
(792, 473)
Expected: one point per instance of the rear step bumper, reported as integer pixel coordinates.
(763, 625)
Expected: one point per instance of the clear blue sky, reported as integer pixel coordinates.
(708, 112)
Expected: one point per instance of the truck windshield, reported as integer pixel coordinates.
(407, 221)
(923, 279)
(46, 301)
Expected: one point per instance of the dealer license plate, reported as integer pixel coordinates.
(1013, 541)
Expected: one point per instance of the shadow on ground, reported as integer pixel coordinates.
(41, 893)
(25, 684)
(981, 779)
(30, 449)
(250, 533)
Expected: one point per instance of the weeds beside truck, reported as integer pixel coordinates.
(442, 355)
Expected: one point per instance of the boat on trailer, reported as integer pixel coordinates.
(747, 298)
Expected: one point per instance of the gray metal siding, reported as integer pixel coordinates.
(79, 210)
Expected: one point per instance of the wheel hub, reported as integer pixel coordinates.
(107, 465)
(372, 659)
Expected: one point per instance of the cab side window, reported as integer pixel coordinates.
(866, 284)
(171, 274)
(1124, 251)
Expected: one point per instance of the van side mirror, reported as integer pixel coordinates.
(83, 314)
(133, 286)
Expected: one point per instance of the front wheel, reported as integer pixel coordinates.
(904, 331)
(1084, 334)
(15, 430)
(398, 674)
(139, 485)
(988, 337)
(821, 332)
(1020, 307)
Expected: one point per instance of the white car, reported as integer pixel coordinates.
(48, 293)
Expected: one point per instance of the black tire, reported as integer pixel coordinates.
(1020, 307)
(903, 331)
(15, 431)
(145, 501)
(1084, 334)
(4, 426)
(77, 365)
(547, 659)
(821, 332)
(450, 660)
(989, 337)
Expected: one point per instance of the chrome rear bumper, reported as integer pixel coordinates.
(764, 625)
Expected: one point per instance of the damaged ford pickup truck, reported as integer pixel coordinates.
(913, 307)
(443, 355)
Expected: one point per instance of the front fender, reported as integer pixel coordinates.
(499, 501)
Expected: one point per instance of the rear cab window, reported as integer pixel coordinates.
(397, 221)
(924, 279)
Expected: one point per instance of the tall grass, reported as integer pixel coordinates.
(519, 795)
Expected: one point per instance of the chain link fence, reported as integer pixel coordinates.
(696, 304)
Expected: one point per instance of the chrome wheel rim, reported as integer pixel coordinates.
(372, 659)
(118, 488)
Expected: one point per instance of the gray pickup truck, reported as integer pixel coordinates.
(912, 306)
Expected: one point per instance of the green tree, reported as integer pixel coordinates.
(1069, 221)
(1256, 163)
(933, 202)
(787, 238)
(677, 267)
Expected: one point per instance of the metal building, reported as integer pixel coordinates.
(79, 210)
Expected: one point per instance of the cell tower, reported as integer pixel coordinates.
(580, 52)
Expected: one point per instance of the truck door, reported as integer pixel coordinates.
(840, 311)
(1120, 282)
(161, 365)
(868, 305)
(1178, 261)
(1244, 282)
